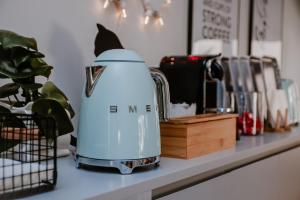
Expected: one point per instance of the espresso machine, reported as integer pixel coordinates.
(195, 79)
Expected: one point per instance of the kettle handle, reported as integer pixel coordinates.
(163, 93)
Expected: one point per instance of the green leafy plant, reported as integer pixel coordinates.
(21, 62)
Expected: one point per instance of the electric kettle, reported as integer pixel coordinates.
(119, 116)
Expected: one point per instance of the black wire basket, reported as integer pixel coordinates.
(27, 155)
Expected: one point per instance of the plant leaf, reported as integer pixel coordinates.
(50, 91)
(3, 76)
(6, 65)
(51, 108)
(71, 111)
(7, 68)
(10, 119)
(20, 55)
(6, 144)
(40, 67)
(8, 90)
(50, 88)
(9, 39)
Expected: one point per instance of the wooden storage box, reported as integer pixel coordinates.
(190, 137)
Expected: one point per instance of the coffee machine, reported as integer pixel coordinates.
(195, 79)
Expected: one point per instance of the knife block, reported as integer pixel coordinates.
(190, 137)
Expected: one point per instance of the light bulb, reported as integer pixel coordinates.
(148, 13)
(124, 14)
(168, 2)
(161, 21)
(105, 5)
(146, 20)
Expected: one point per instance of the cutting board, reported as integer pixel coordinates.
(190, 137)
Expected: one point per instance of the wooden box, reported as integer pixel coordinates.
(190, 137)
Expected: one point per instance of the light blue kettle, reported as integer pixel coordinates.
(119, 113)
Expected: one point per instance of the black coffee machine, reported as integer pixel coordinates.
(194, 79)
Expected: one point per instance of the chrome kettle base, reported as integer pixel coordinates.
(124, 166)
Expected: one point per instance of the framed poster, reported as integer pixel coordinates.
(213, 27)
(266, 28)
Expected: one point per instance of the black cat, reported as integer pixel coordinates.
(106, 40)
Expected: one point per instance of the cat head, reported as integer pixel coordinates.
(106, 40)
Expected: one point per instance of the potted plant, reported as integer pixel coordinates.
(21, 62)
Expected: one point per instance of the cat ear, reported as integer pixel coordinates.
(101, 27)
(106, 40)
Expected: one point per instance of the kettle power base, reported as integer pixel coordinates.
(124, 166)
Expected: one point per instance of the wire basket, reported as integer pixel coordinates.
(27, 155)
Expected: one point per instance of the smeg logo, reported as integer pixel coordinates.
(131, 108)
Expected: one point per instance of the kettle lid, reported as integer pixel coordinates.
(118, 55)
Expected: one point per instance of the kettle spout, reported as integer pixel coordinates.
(93, 73)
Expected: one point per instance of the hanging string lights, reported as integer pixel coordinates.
(150, 13)
(119, 4)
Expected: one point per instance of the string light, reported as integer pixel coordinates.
(168, 2)
(148, 14)
(146, 21)
(119, 4)
(151, 13)
(158, 18)
(124, 14)
(106, 3)
(161, 21)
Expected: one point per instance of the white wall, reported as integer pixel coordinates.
(66, 29)
(243, 29)
(291, 40)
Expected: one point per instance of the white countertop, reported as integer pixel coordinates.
(76, 183)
